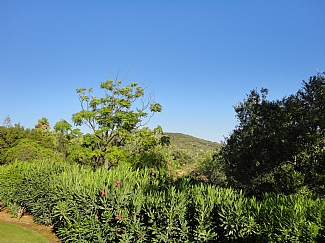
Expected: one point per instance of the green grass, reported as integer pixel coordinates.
(11, 233)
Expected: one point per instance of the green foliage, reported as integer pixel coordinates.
(189, 152)
(126, 205)
(26, 150)
(159, 157)
(67, 139)
(63, 127)
(187, 145)
(182, 157)
(43, 124)
(212, 168)
(278, 145)
(28, 185)
(145, 148)
(113, 118)
(15, 138)
(9, 135)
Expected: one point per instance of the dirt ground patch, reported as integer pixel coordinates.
(27, 222)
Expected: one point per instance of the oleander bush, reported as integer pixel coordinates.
(150, 205)
(29, 185)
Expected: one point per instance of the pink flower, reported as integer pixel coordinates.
(117, 182)
(61, 154)
(169, 167)
(103, 192)
(119, 230)
(118, 217)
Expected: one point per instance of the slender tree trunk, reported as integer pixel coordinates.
(106, 164)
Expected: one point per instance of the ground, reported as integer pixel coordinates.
(27, 222)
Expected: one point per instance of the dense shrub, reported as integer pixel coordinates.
(28, 185)
(126, 205)
(16, 142)
(211, 168)
(26, 150)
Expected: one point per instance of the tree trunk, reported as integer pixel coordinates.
(106, 164)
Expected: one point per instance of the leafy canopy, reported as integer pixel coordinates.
(113, 118)
(279, 145)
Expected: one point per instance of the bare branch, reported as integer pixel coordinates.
(117, 74)
(127, 73)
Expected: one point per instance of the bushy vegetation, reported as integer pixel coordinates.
(125, 182)
(279, 146)
(211, 169)
(16, 142)
(189, 146)
(125, 205)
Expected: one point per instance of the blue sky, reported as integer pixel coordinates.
(199, 57)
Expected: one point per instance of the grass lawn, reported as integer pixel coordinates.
(10, 233)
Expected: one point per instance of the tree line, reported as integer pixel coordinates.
(277, 145)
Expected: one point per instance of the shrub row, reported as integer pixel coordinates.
(123, 205)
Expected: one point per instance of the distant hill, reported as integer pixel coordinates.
(192, 145)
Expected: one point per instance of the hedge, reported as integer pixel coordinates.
(125, 205)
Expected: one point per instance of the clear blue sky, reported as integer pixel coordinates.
(200, 57)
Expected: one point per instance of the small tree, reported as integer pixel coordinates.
(64, 135)
(7, 122)
(43, 124)
(113, 118)
(63, 127)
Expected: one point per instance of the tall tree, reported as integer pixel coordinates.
(312, 126)
(114, 117)
(278, 145)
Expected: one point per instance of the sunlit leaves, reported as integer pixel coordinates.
(81, 91)
(43, 124)
(108, 85)
(62, 126)
(144, 206)
(156, 107)
(113, 117)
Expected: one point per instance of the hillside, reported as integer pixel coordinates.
(191, 145)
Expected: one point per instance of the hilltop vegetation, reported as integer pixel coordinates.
(195, 147)
(191, 152)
